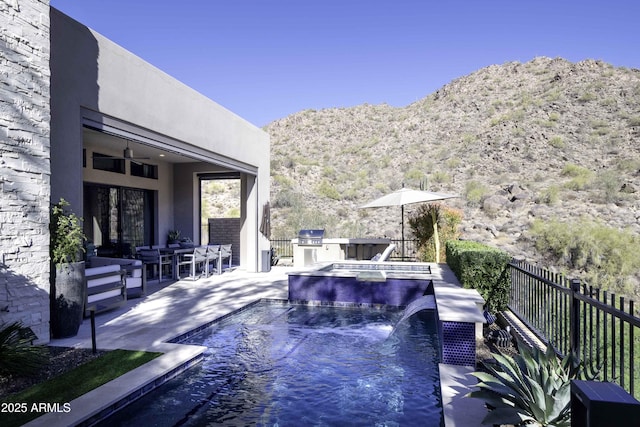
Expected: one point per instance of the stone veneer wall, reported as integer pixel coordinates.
(25, 164)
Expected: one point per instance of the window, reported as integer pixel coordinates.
(108, 163)
(144, 170)
(117, 219)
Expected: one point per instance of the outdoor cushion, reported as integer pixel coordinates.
(134, 276)
(91, 283)
(100, 270)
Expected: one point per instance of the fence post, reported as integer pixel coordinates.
(574, 321)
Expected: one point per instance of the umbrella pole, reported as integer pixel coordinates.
(436, 238)
(402, 251)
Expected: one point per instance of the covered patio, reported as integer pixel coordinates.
(131, 144)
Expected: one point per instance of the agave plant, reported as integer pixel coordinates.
(17, 355)
(529, 388)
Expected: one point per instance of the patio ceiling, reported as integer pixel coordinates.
(113, 145)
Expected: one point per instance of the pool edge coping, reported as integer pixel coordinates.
(97, 404)
(455, 382)
(65, 419)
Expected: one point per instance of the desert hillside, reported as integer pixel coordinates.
(547, 139)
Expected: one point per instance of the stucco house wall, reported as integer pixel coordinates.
(57, 74)
(24, 164)
(98, 80)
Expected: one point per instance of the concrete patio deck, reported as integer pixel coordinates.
(172, 309)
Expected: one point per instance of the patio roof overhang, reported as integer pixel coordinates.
(110, 136)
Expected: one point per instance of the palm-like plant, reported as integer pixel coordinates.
(17, 355)
(529, 388)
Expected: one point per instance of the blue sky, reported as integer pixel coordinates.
(264, 60)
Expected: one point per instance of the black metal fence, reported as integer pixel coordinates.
(410, 250)
(284, 249)
(600, 327)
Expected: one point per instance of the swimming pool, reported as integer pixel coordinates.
(282, 364)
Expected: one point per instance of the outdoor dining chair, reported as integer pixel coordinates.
(154, 257)
(194, 260)
(225, 253)
(213, 255)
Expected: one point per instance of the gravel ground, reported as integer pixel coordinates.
(61, 360)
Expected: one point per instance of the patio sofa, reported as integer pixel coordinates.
(136, 277)
(106, 288)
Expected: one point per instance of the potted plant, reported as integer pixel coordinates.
(173, 236)
(68, 291)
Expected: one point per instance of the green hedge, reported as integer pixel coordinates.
(481, 267)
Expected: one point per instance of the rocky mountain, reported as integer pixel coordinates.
(547, 139)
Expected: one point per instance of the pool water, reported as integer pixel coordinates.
(277, 364)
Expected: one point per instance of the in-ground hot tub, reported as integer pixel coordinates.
(391, 283)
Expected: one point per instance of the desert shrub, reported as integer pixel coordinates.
(384, 161)
(233, 213)
(468, 139)
(553, 95)
(599, 124)
(453, 162)
(605, 255)
(475, 192)
(586, 97)
(440, 177)
(609, 184)
(551, 195)
(421, 223)
(326, 189)
(556, 142)
(413, 175)
(634, 121)
(581, 177)
(629, 165)
(303, 217)
(282, 180)
(287, 199)
(213, 187)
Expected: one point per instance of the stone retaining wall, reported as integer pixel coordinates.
(25, 164)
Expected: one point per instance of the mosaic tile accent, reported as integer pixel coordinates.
(393, 291)
(458, 343)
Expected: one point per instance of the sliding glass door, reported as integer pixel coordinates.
(117, 219)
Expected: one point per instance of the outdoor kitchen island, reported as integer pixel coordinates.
(311, 247)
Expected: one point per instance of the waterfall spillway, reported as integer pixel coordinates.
(426, 302)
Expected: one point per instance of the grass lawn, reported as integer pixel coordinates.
(19, 408)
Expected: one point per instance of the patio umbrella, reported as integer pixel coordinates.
(407, 196)
(265, 225)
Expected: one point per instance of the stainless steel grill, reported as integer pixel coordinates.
(310, 237)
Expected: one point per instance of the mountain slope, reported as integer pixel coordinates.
(546, 139)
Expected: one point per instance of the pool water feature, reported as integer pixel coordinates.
(392, 283)
(283, 364)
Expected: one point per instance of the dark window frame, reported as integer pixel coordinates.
(108, 163)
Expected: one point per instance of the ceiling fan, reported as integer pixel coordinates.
(127, 154)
